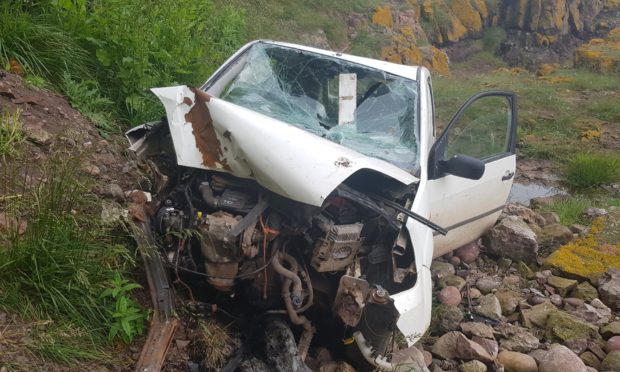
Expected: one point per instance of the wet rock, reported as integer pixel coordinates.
(491, 346)
(562, 285)
(487, 284)
(589, 359)
(613, 344)
(562, 326)
(554, 235)
(441, 269)
(450, 296)
(450, 317)
(451, 280)
(473, 366)
(508, 301)
(611, 362)
(609, 288)
(469, 252)
(489, 306)
(560, 359)
(477, 329)
(537, 316)
(577, 346)
(610, 330)
(584, 291)
(517, 362)
(512, 238)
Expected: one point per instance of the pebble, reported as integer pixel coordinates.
(556, 299)
(450, 296)
(454, 260)
(468, 253)
(517, 362)
(487, 284)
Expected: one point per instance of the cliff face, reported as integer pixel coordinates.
(538, 31)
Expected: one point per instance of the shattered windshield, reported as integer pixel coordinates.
(364, 109)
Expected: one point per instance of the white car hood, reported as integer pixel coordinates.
(210, 133)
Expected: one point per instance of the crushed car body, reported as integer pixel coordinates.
(312, 184)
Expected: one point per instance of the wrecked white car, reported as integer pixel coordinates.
(313, 185)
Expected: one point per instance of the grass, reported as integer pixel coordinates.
(211, 344)
(570, 209)
(58, 267)
(588, 170)
(11, 133)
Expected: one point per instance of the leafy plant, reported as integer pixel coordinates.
(590, 169)
(127, 317)
(11, 133)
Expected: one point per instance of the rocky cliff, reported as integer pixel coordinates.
(538, 31)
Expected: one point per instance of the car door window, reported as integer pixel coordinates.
(482, 130)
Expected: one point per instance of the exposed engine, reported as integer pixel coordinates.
(289, 258)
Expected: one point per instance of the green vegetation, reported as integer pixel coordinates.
(128, 317)
(589, 170)
(11, 133)
(114, 50)
(570, 209)
(493, 39)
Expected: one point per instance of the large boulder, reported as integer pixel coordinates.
(512, 238)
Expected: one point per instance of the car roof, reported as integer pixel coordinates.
(409, 72)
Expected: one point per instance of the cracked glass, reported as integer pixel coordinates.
(312, 91)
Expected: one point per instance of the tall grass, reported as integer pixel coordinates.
(11, 133)
(58, 267)
(591, 169)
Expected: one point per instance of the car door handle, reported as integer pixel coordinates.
(508, 175)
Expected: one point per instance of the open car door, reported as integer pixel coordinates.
(471, 169)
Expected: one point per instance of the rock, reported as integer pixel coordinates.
(577, 346)
(578, 260)
(477, 329)
(508, 301)
(573, 302)
(593, 213)
(451, 280)
(556, 299)
(91, 170)
(538, 355)
(489, 306)
(562, 326)
(454, 260)
(610, 330)
(554, 235)
(550, 217)
(473, 292)
(613, 344)
(596, 349)
(609, 288)
(445, 346)
(592, 314)
(611, 362)
(114, 191)
(584, 291)
(525, 270)
(450, 296)
(428, 357)
(540, 278)
(537, 299)
(517, 362)
(519, 339)
(440, 269)
(589, 359)
(537, 316)
(512, 238)
(38, 135)
(487, 284)
(512, 281)
(450, 317)
(489, 345)
(525, 214)
(469, 252)
(411, 357)
(560, 359)
(504, 263)
(578, 229)
(470, 350)
(563, 285)
(473, 366)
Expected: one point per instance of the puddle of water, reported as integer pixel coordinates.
(523, 193)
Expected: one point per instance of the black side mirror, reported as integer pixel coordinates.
(463, 166)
